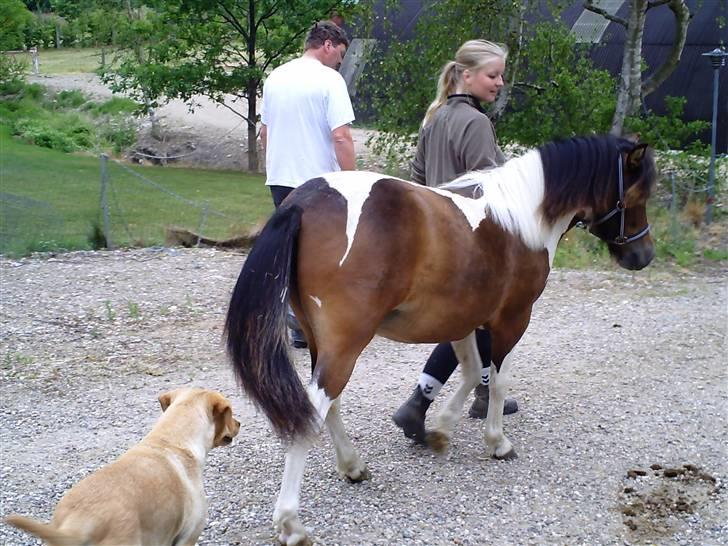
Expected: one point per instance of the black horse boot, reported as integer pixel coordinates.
(479, 409)
(410, 416)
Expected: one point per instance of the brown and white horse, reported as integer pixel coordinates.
(360, 254)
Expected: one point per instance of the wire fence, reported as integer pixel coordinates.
(125, 197)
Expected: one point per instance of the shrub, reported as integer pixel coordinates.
(69, 99)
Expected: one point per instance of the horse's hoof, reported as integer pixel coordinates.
(359, 477)
(509, 456)
(437, 441)
(295, 539)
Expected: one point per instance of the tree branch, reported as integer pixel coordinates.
(230, 18)
(275, 56)
(656, 3)
(267, 15)
(682, 18)
(588, 5)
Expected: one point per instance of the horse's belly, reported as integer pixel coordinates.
(413, 327)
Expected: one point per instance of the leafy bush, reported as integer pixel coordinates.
(14, 18)
(39, 133)
(669, 132)
(562, 94)
(12, 71)
(115, 106)
(69, 121)
(69, 99)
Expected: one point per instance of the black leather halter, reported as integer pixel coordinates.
(620, 209)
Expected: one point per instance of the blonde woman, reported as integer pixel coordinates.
(456, 137)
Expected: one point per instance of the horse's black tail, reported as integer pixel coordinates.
(257, 337)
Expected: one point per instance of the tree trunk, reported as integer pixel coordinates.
(252, 92)
(515, 41)
(630, 82)
(252, 127)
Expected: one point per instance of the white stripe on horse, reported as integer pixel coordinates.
(512, 196)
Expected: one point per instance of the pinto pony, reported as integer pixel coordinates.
(359, 254)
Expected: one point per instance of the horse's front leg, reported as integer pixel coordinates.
(471, 366)
(348, 461)
(495, 440)
(291, 531)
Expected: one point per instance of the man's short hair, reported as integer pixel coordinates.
(325, 30)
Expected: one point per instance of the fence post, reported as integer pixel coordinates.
(104, 159)
(203, 222)
(673, 208)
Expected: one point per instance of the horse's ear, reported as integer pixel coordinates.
(636, 155)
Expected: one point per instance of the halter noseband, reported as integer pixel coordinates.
(620, 209)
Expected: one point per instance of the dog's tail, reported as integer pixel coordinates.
(46, 531)
(257, 337)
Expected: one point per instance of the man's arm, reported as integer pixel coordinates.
(264, 136)
(344, 148)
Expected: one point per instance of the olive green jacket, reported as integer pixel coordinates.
(458, 138)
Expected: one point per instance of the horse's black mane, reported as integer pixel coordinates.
(582, 172)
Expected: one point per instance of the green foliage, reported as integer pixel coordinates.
(675, 241)
(12, 73)
(562, 95)
(189, 47)
(69, 99)
(716, 255)
(67, 121)
(668, 132)
(115, 106)
(40, 32)
(14, 18)
(403, 80)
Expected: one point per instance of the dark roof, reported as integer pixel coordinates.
(693, 76)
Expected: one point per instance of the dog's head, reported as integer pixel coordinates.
(226, 426)
(218, 408)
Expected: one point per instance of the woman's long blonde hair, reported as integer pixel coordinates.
(472, 55)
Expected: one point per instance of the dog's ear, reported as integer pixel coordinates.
(166, 399)
(226, 428)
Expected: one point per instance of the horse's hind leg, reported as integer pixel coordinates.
(348, 461)
(285, 516)
(471, 366)
(332, 372)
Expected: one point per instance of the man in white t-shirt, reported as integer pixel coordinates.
(305, 120)
(306, 114)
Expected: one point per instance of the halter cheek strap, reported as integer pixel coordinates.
(620, 209)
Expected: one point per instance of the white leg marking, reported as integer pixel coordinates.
(348, 461)
(467, 353)
(316, 300)
(285, 517)
(495, 440)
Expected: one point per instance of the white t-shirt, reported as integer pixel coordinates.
(303, 101)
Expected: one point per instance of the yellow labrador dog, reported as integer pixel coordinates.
(152, 494)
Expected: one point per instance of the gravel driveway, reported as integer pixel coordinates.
(621, 380)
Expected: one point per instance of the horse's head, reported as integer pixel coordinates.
(622, 223)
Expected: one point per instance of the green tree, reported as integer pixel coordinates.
(402, 84)
(14, 17)
(218, 47)
(632, 85)
(562, 95)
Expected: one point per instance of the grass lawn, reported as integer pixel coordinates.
(66, 60)
(50, 200)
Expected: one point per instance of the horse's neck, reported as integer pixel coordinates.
(512, 196)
